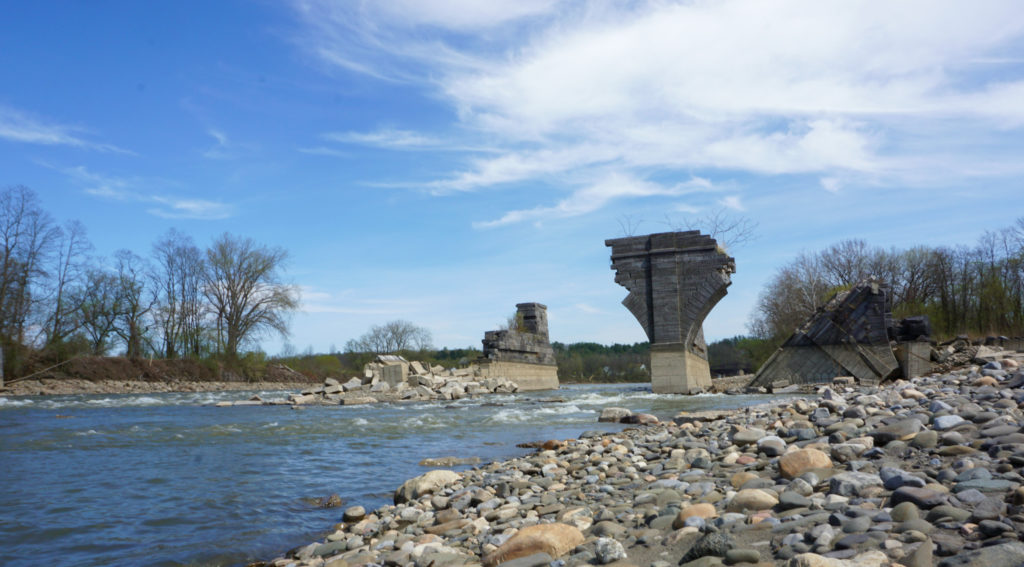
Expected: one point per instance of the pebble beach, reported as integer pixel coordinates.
(914, 472)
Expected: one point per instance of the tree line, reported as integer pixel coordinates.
(593, 362)
(977, 290)
(57, 299)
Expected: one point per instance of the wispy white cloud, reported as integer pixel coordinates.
(324, 151)
(595, 197)
(19, 126)
(315, 300)
(225, 148)
(124, 189)
(564, 89)
(732, 202)
(831, 184)
(221, 149)
(384, 138)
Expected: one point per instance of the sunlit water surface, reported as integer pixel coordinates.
(168, 479)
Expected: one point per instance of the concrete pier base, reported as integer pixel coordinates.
(676, 370)
(527, 376)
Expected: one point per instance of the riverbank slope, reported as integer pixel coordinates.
(118, 375)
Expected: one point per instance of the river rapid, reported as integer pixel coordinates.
(168, 479)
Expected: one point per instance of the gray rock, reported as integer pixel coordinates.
(535, 560)
(991, 485)
(852, 483)
(789, 500)
(905, 511)
(924, 498)
(944, 422)
(945, 511)
(894, 478)
(353, 514)
(715, 543)
(925, 440)
(608, 529)
(614, 415)
(857, 525)
(988, 509)
(771, 445)
(734, 556)
(608, 550)
(748, 436)
(1003, 555)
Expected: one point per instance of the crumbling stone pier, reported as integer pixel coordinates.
(522, 354)
(674, 280)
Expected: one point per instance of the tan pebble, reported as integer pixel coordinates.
(794, 464)
(1018, 496)
(553, 539)
(911, 393)
(741, 478)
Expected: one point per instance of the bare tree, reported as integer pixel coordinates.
(27, 239)
(135, 299)
(391, 337)
(795, 292)
(68, 274)
(730, 230)
(628, 224)
(245, 290)
(181, 308)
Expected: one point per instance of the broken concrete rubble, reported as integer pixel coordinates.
(423, 383)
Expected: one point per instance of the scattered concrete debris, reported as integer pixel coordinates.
(377, 384)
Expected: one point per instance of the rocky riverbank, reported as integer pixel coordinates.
(73, 386)
(914, 473)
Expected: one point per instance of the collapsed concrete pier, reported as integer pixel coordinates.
(848, 336)
(674, 280)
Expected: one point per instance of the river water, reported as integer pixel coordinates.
(167, 479)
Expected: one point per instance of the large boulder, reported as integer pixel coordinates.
(796, 463)
(553, 539)
(752, 499)
(613, 414)
(426, 483)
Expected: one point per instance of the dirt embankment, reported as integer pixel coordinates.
(117, 375)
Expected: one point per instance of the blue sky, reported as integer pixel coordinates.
(441, 161)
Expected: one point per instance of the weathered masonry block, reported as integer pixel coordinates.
(523, 354)
(674, 280)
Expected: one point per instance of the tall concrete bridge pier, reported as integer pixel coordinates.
(674, 280)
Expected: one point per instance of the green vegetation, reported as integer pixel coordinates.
(591, 362)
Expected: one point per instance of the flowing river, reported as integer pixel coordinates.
(167, 479)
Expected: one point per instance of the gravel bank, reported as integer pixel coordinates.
(914, 473)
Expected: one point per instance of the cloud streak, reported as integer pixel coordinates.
(121, 189)
(595, 197)
(18, 126)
